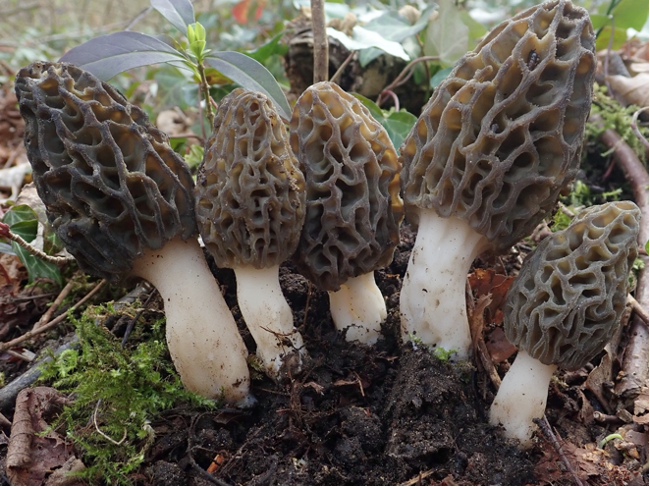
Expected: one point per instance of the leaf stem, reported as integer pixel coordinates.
(205, 89)
(5, 232)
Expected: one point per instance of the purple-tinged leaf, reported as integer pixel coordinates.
(251, 75)
(179, 13)
(108, 55)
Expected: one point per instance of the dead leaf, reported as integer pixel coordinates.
(632, 91)
(499, 348)
(487, 281)
(600, 376)
(31, 456)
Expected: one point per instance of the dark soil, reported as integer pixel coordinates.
(356, 415)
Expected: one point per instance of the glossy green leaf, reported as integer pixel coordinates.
(22, 220)
(375, 111)
(268, 49)
(598, 21)
(37, 267)
(441, 74)
(398, 125)
(395, 27)
(52, 244)
(252, 75)
(620, 38)
(363, 39)
(448, 36)
(179, 13)
(108, 55)
(630, 13)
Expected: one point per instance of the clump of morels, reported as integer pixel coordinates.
(250, 207)
(353, 205)
(564, 307)
(499, 139)
(121, 201)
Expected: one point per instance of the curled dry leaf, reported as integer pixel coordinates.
(631, 91)
(30, 455)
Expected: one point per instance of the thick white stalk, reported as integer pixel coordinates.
(360, 307)
(267, 315)
(522, 397)
(204, 343)
(432, 299)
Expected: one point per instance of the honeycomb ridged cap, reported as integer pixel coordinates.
(250, 193)
(352, 181)
(111, 184)
(502, 135)
(567, 301)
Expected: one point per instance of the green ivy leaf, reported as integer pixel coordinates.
(448, 36)
(268, 49)
(437, 78)
(397, 124)
(620, 38)
(22, 220)
(630, 13)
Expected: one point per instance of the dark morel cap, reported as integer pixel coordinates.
(111, 184)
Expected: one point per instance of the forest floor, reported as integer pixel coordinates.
(390, 414)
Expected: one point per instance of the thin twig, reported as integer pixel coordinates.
(55, 305)
(545, 428)
(304, 318)
(638, 309)
(190, 446)
(406, 73)
(135, 319)
(342, 67)
(392, 94)
(321, 53)
(635, 128)
(51, 324)
(118, 443)
(5, 232)
(138, 17)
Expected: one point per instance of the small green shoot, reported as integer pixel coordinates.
(443, 354)
(607, 439)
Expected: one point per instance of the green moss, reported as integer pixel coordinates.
(117, 391)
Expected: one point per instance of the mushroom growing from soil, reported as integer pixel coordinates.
(250, 207)
(485, 162)
(353, 205)
(121, 200)
(564, 307)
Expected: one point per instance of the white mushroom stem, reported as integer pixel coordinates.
(204, 343)
(267, 315)
(522, 397)
(432, 299)
(360, 308)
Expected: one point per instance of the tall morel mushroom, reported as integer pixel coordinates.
(488, 157)
(250, 207)
(353, 205)
(121, 200)
(563, 308)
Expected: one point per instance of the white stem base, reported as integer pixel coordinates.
(432, 299)
(204, 343)
(360, 307)
(267, 315)
(522, 397)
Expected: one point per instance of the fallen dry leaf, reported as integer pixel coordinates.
(632, 91)
(31, 457)
(498, 346)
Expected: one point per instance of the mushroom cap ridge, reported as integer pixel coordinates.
(567, 301)
(501, 136)
(352, 182)
(250, 193)
(111, 184)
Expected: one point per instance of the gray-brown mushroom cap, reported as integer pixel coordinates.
(250, 192)
(567, 301)
(111, 184)
(352, 182)
(502, 134)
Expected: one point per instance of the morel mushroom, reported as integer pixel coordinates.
(563, 308)
(121, 200)
(353, 205)
(488, 157)
(250, 207)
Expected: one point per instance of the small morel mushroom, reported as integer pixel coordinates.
(488, 157)
(353, 205)
(563, 308)
(121, 201)
(250, 207)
